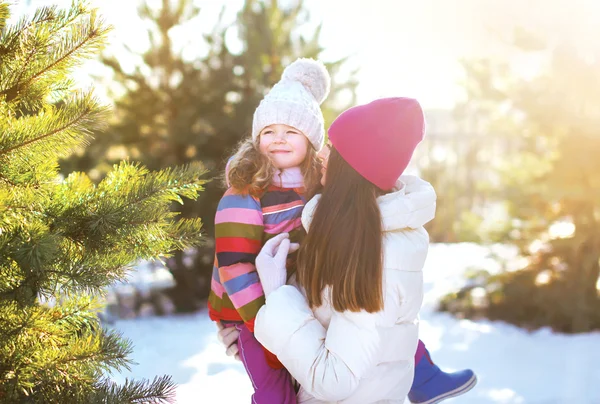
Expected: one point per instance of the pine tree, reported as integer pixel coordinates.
(63, 240)
(548, 175)
(177, 110)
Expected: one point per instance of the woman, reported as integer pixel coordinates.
(352, 336)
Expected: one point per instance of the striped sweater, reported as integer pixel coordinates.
(243, 224)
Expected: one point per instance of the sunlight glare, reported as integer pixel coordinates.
(562, 229)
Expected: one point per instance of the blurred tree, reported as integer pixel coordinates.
(63, 240)
(550, 179)
(180, 109)
(457, 217)
(457, 157)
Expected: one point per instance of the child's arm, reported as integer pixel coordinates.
(238, 238)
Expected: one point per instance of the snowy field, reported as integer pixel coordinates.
(513, 366)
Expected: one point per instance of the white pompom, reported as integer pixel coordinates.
(312, 74)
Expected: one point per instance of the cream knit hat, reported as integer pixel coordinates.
(295, 101)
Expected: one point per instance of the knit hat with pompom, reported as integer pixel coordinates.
(295, 101)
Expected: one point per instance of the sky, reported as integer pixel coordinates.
(401, 47)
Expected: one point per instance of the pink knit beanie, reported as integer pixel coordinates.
(378, 139)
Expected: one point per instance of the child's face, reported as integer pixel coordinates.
(284, 145)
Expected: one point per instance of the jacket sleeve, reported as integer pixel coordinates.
(328, 364)
(238, 238)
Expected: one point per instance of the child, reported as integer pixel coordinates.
(270, 177)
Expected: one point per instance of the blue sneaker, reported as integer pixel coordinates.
(432, 386)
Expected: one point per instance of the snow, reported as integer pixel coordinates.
(513, 366)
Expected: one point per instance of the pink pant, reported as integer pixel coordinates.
(420, 352)
(270, 385)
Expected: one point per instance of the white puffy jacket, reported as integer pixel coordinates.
(358, 358)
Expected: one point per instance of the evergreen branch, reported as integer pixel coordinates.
(42, 16)
(34, 174)
(33, 42)
(88, 279)
(59, 92)
(92, 34)
(179, 180)
(23, 293)
(70, 15)
(15, 207)
(75, 309)
(33, 50)
(185, 233)
(116, 349)
(7, 180)
(9, 329)
(78, 114)
(91, 346)
(78, 358)
(159, 390)
(4, 15)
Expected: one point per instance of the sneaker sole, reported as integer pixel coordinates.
(453, 393)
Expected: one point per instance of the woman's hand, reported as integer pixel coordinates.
(270, 262)
(228, 337)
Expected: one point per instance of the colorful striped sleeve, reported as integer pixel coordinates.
(238, 237)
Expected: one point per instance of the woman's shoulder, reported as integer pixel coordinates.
(405, 250)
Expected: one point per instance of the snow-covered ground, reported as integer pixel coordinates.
(513, 366)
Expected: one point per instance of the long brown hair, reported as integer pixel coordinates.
(343, 248)
(251, 172)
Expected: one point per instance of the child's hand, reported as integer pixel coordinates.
(228, 337)
(270, 263)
